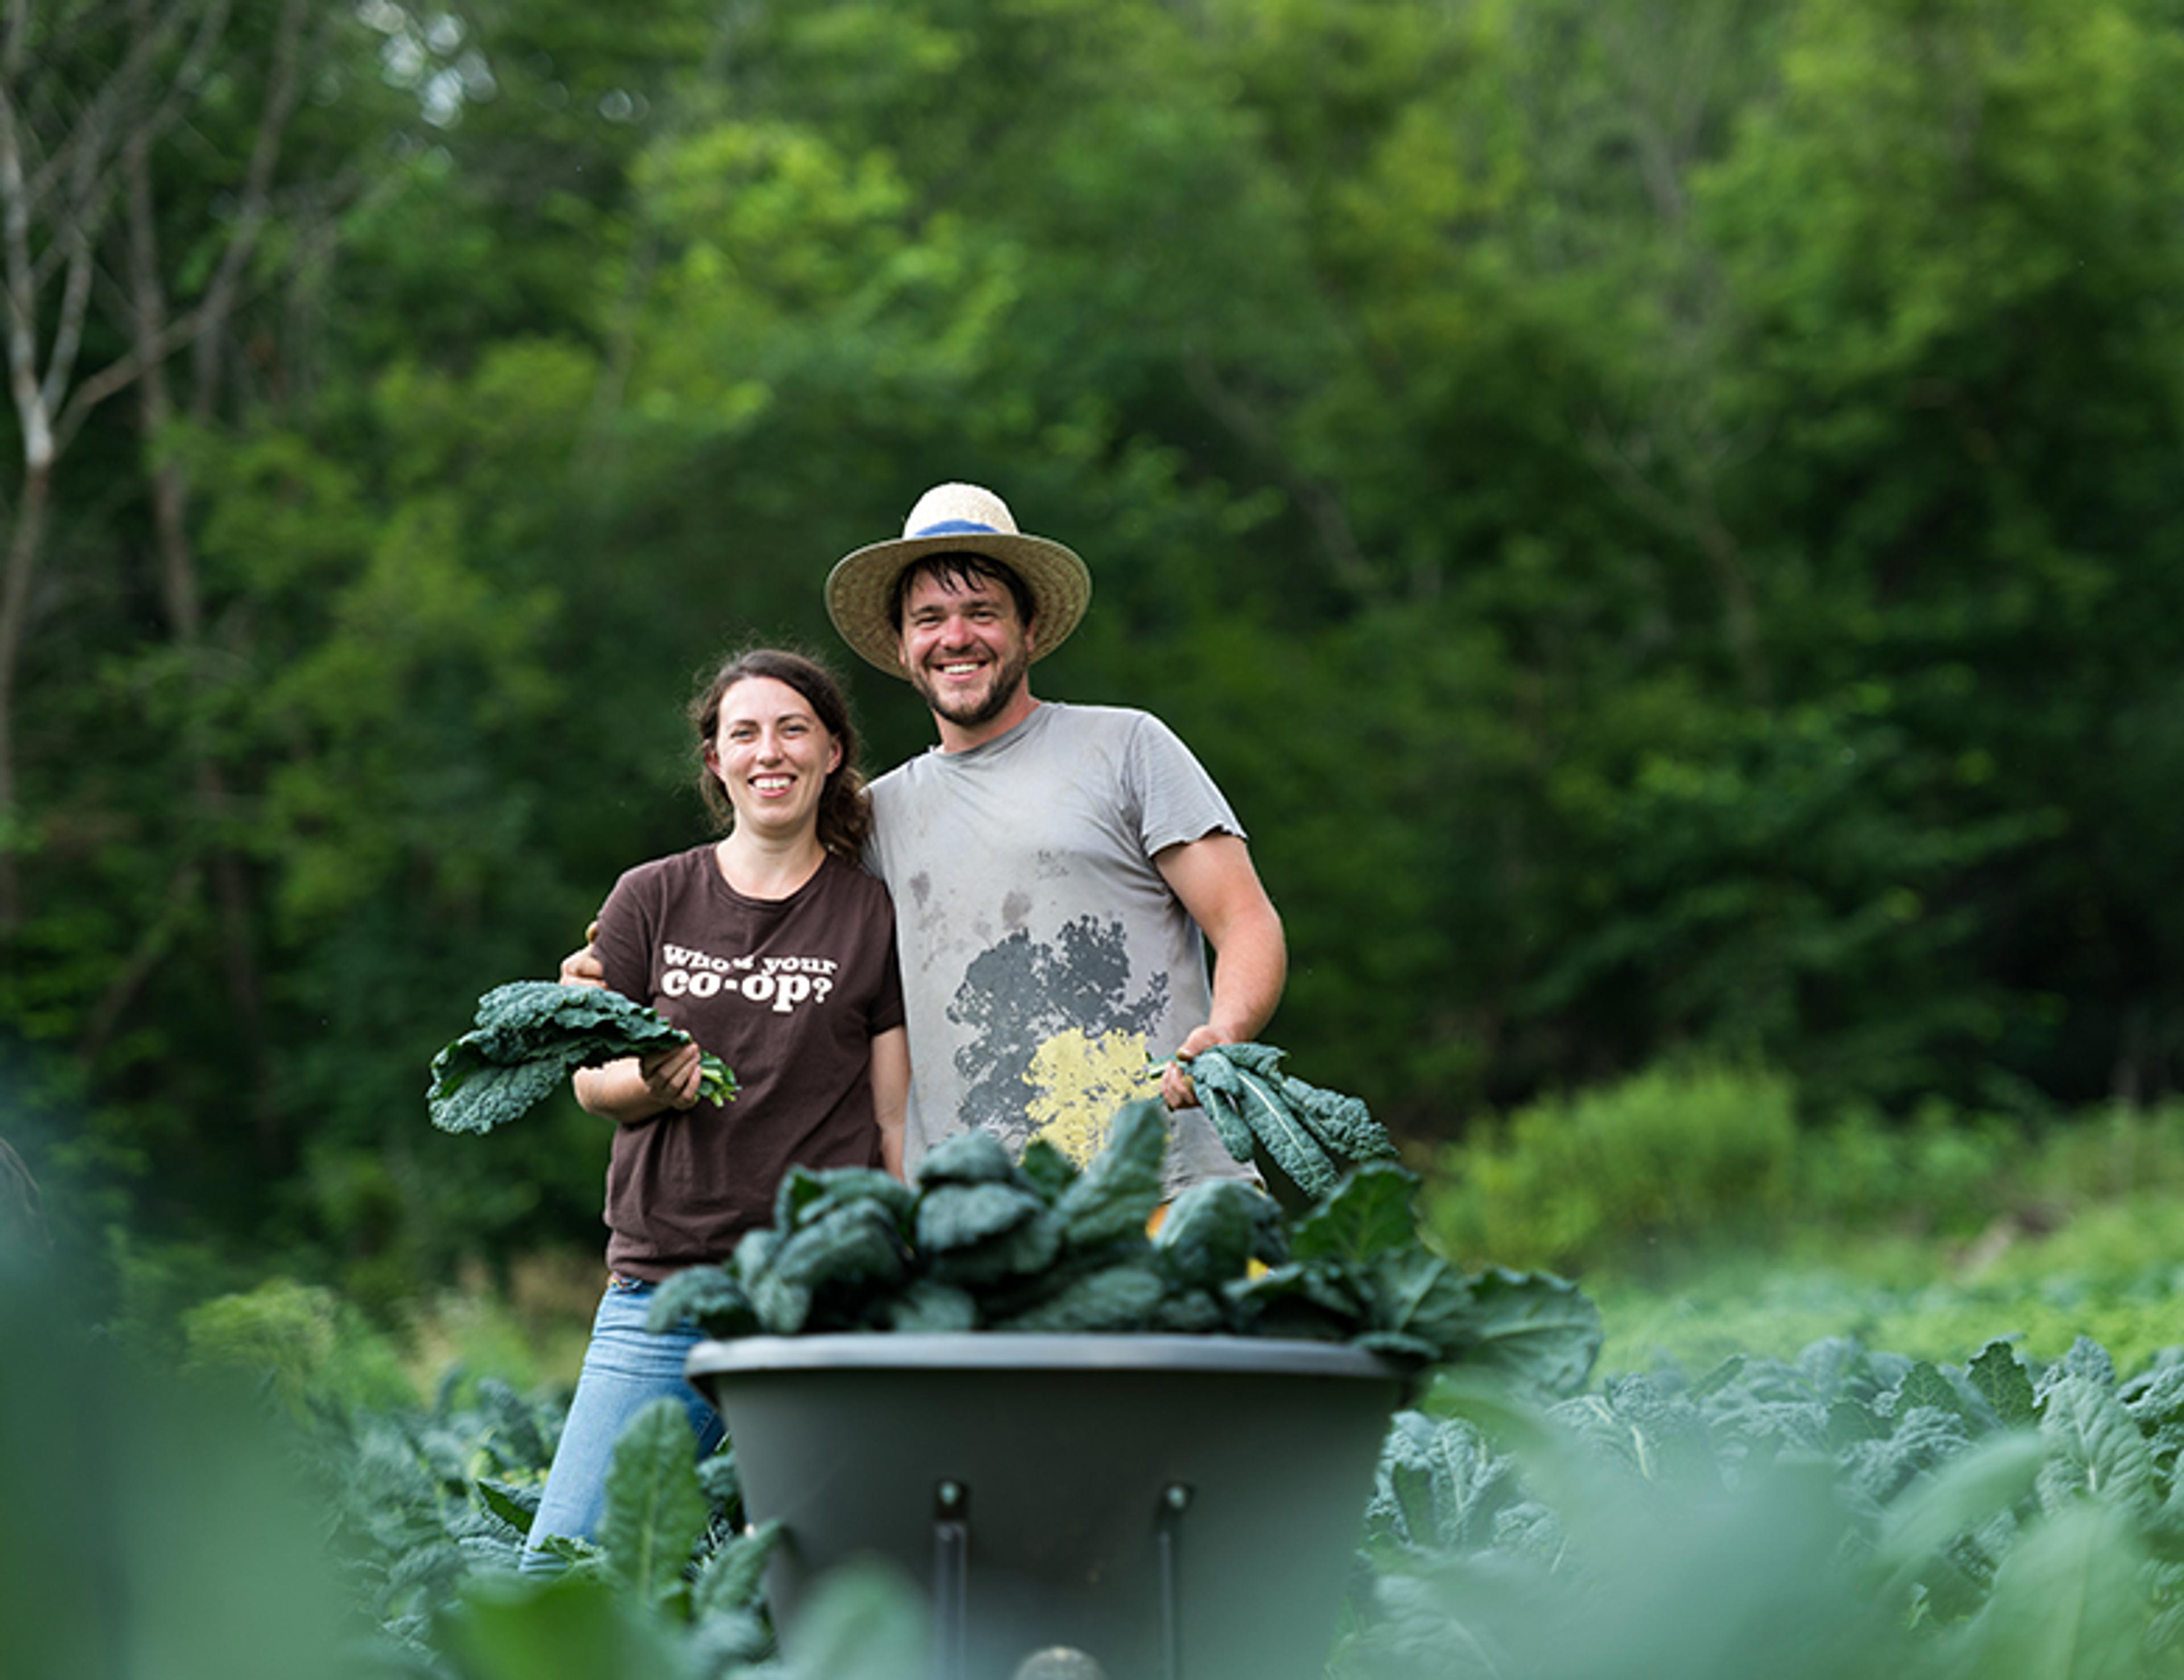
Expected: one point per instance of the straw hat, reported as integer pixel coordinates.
(954, 519)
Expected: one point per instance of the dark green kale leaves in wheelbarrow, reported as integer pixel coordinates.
(530, 1035)
(980, 1242)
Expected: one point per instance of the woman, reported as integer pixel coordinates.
(776, 952)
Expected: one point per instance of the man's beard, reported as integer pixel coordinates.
(1009, 677)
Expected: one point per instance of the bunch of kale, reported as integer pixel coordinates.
(530, 1035)
(981, 1243)
(1303, 1128)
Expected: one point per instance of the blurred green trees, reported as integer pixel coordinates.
(1663, 520)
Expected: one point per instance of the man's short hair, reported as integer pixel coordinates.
(957, 570)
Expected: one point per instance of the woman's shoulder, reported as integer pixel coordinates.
(667, 875)
(848, 880)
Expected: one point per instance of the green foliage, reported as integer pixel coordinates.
(530, 1035)
(1216, 1228)
(1117, 1193)
(506, 1631)
(301, 1338)
(1841, 1511)
(1674, 1155)
(655, 1511)
(1699, 481)
(1303, 1128)
(982, 1245)
(1939, 1170)
(865, 1623)
(1934, 1537)
(1686, 1159)
(149, 1530)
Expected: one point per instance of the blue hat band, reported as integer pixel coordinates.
(957, 527)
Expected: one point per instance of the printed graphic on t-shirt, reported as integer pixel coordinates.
(779, 983)
(1056, 1039)
(1079, 1079)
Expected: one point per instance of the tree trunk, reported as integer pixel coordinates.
(183, 595)
(25, 543)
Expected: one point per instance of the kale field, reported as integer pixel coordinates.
(1845, 1511)
(1898, 1456)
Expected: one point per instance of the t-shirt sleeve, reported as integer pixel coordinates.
(1177, 800)
(887, 1012)
(624, 939)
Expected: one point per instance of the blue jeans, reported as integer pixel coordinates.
(626, 1368)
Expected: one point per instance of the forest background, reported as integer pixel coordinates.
(1666, 520)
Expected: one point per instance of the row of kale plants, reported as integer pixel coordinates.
(1847, 1512)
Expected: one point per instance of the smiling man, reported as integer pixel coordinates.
(1057, 871)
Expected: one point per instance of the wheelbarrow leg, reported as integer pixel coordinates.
(951, 1549)
(1175, 1499)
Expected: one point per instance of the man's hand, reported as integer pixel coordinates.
(1176, 1088)
(583, 968)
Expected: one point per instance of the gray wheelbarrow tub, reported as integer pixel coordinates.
(1165, 1505)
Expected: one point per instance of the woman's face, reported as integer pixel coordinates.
(772, 755)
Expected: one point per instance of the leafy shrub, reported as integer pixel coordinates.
(1674, 1156)
(2115, 1152)
(1943, 1171)
(1687, 1157)
(302, 1338)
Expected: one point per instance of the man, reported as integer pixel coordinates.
(1053, 866)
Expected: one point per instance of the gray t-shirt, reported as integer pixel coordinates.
(1044, 957)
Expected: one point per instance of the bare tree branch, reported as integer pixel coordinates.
(120, 373)
(282, 90)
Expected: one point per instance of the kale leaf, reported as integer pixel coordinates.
(1304, 1129)
(531, 1035)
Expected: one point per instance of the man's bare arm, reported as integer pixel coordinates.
(891, 1092)
(1217, 883)
(583, 967)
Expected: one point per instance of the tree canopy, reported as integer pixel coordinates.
(1663, 520)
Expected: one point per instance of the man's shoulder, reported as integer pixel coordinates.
(1059, 733)
(1081, 716)
(1073, 728)
(885, 789)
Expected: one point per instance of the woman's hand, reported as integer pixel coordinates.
(638, 1087)
(672, 1075)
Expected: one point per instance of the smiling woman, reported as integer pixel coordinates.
(771, 757)
(775, 950)
(769, 710)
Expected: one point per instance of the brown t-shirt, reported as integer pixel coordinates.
(790, 992)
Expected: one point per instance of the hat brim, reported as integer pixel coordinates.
(858, 588)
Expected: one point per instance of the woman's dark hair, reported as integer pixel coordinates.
(845, 812)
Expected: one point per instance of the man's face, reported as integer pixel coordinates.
(965, 650)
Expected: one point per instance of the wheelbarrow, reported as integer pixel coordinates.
(1076, 1507)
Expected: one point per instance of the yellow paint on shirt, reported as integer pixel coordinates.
(1080, 1081)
